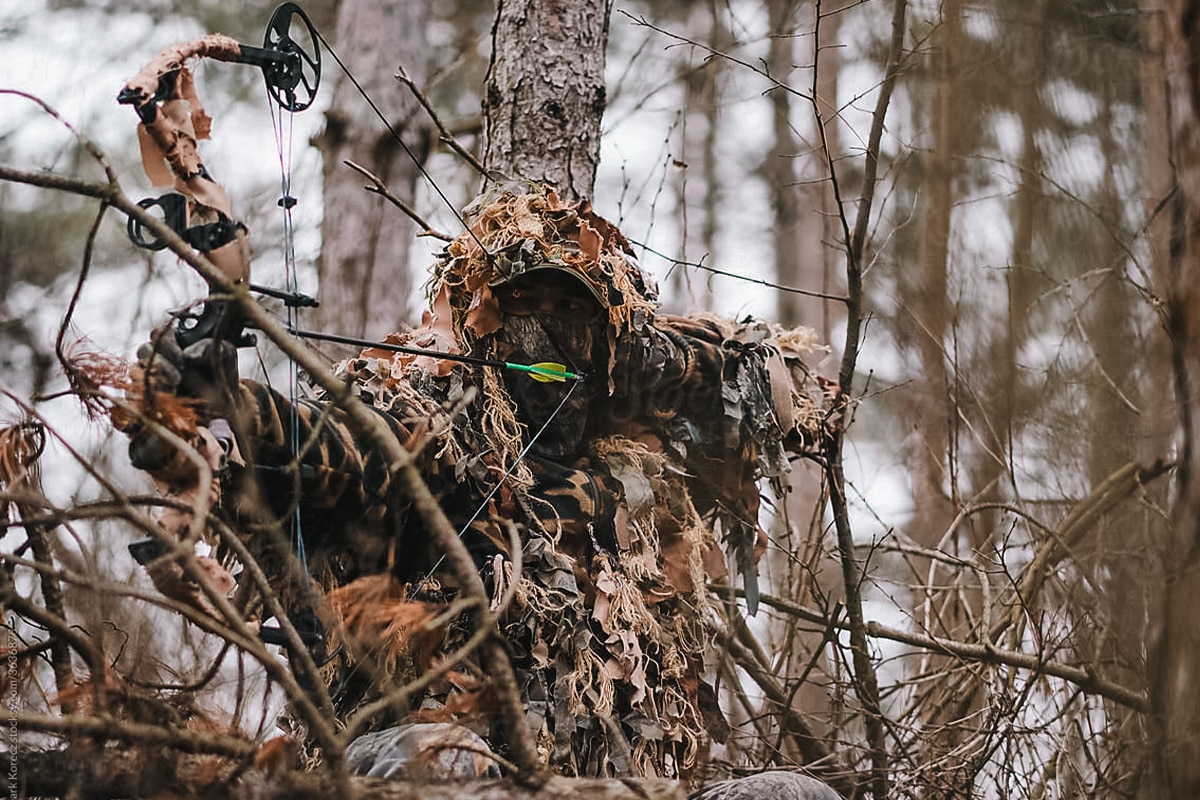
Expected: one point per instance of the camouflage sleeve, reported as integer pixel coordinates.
(728, 400)
(336, 469)
(716, 385)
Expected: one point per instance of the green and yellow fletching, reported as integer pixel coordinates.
(545, 371)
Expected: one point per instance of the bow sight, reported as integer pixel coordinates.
(172, 120)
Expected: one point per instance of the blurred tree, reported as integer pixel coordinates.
(1175, 682)
(363, 268)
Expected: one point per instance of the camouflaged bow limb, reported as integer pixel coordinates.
(173, 121)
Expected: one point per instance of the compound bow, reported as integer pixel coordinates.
(173, 121)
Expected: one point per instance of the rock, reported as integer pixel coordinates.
(775, 785)
(432, 750)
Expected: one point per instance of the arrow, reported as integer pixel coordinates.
(543, 371)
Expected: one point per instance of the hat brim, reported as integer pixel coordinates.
(601, 298)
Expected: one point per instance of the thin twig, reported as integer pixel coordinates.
(641, 21)
(380, 188)
(866, 681)
(982, 653)
(444, 134)
(724, 273)
(116, 729)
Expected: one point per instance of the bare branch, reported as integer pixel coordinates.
(112, 728)
(852, 573)
(380, 188)
(444, 134)
(1084, 678)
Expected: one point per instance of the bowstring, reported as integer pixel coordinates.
(283, 126)
(503, 477)
(403, 145)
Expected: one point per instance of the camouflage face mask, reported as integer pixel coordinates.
(539, 338)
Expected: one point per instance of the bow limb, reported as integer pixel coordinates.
(172, 122)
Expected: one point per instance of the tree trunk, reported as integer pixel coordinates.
(1175, 677)
(806, 226)
(928, 301)
(804, 230)
(545, 95)
(363, 268)
(954, 697)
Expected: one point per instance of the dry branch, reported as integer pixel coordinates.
(380, 188)
(1084, 678)
(103, 727)
(865, 680)
(444, 134)
(1080, 520)
(59, 773)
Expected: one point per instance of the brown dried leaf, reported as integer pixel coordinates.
(484, 315)
(590, 241)
(21, 445)
(277, 755)
(438, 323)
(378, 617)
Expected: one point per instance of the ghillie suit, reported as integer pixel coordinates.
(629, 489)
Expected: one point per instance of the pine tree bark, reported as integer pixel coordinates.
(363, 267)
(545, 93)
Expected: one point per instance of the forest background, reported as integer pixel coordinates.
(1013, 447)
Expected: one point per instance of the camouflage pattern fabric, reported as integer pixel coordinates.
(646, 492)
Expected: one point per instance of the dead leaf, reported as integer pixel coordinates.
(376, 616)
(277, 755)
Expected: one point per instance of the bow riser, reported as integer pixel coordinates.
(173, 121)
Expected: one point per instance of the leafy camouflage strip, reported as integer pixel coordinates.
(612, 630)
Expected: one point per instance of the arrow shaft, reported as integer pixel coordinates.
(532, 369)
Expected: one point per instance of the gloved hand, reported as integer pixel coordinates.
(168, 577)
(206, 370)
(204, 376)
(159, 363)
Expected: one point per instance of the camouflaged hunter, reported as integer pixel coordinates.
(630, 489)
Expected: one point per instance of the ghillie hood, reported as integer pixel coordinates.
(514, 234)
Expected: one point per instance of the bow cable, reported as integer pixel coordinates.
(283, 126)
